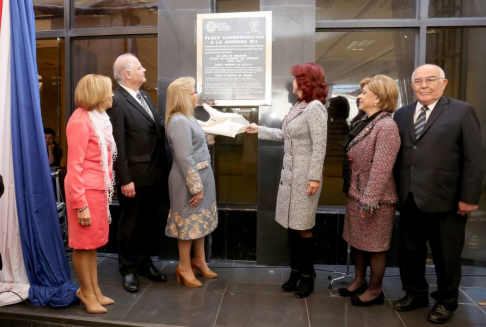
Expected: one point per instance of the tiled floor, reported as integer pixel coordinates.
(248, 295)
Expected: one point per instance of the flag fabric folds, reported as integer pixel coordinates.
(29, 197)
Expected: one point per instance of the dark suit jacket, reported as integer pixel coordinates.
(446, 165)
(141, 153)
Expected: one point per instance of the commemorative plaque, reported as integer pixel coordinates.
(234, 58)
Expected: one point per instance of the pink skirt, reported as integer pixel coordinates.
(88, 237)
(372, 234)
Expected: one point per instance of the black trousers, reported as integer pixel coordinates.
(137, 221)
(445, 232)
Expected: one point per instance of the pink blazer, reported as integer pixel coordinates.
(372, 155)
(83, 161)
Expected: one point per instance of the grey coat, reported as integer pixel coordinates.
(304, 133)
(191, 173)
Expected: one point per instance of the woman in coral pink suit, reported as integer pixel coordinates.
(89, 183)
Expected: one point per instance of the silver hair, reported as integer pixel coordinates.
(441, 71)
(121, 65)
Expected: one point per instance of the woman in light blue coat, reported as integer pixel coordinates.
(193, 213)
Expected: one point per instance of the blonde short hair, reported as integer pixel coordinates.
(92, 90)
(179, 98)
(385, 89)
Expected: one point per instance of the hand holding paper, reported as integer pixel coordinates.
(221, 123)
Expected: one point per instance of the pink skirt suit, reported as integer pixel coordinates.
(372, 155)
(84, 184)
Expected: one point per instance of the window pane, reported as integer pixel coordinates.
(96, 56)
(365, 9)
(97, 14)
(50, 66)
(460, 52)
(235, 159)
(235, 163)
(347, 58)
(49, 14)
(237, 5)
(457, 8)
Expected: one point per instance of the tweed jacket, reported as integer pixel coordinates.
(304, 133)
(372, 155)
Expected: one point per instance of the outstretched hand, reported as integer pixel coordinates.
(252, 128)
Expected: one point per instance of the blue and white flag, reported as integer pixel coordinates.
(34, 262)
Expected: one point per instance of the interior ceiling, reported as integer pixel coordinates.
(342, 65)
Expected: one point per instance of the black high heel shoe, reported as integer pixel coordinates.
(291, 284)
(344, 292)
(380, 299)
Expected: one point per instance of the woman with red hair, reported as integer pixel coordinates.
(304, 133)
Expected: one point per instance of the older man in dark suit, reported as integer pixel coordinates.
(439, 171)
(139, 170)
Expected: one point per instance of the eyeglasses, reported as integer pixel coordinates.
(428, 80)
(196, 92)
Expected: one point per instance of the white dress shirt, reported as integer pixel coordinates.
(427, 113)
(132, 93)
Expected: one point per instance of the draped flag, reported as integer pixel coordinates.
(34, 262)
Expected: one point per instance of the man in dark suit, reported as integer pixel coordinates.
(438, 171)
(139, 170)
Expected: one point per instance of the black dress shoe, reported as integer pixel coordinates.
(347, 293)
(380, 299)
(130, 283)
(153, 274)
(440, 314)
(409, 303)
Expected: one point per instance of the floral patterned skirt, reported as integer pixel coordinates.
(185, 222)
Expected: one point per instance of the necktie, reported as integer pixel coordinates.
(420, 122)
(144, 105)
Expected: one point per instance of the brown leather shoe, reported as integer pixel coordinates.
(189, 283)
(206, 274)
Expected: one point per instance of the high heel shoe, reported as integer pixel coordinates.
(189, 283)
(380, 299)
(105, 300)
(344, 292)
(90, 309)
(206, 274)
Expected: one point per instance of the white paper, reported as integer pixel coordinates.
(221, 123)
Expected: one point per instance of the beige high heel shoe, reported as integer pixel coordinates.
(189, 283)
(90, 309)
(206, 274)
(105, 300)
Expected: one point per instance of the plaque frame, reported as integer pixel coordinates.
(267, 100)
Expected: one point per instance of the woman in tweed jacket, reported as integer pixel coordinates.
(304, 133)
(372, 194)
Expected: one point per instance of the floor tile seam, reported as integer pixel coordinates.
(246, 282)
(397, 313)
(473, 302)
(263, 293)
(220, 304)
(307, 310)
(133, 304)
